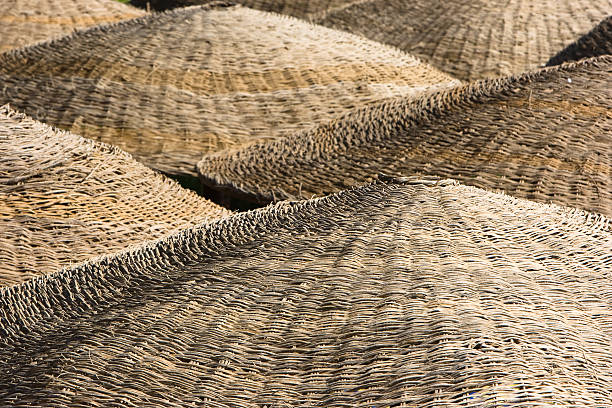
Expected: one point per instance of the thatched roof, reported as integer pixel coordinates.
(24, 22)
(469, 39)
(473, 39)
(305, 9)
(545, 135)
(64, 199)
(201, 79)
(422, 293)
(596, 42)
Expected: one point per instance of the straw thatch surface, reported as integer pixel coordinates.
(597, 42)
(24, 22)
(169, 87)
(305, 9)
(473, 39)
(398, 292)
(545, 136)
(64, 199)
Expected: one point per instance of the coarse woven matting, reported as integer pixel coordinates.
(64, 199)
(24, 22)
(425, 294)
(473, 39)
(170, 87)
(544, 135)
(596, 42)
(305, 9)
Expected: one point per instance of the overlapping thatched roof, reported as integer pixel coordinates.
(24, 22)
(545, 135)
(172, 86)
(406, 292)
(596, 42)
(469, 39)
(474, 39)
(305, 9)
(64, 199)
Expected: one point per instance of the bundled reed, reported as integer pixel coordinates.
(401, 293)
(544, 135)
(596, 42)
(64, 199)
(24, 22)
(170, 87)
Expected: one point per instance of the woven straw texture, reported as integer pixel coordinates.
(24, 22)
(473, 39)
(398, 292)
(64, 199)
(305, 9)
(597, 42)
(170, 87)
(545, 136)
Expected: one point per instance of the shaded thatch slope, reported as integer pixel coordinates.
(546, 136)
(473, 39)
(24, 22)
(596, 42)
(64, 199)
(398, 292)
(305, 9)
(169, 87)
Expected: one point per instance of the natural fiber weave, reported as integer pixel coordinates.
(546, 136)
(169, 87)
(597, 42)
(305, 9)
(64, 199)
(24, 22)
(398, 292)
(473, 39)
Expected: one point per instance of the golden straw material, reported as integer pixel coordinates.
(597, 42)
(545, 136)
(473, 39)
(64, 199)
(402, 293)
(170, 87)
(24, 22)
(305, 9)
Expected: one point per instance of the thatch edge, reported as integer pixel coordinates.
(72, 288)
(44, 46)
(93, 31)
(421, 109)
(561, 56)
(106, 148)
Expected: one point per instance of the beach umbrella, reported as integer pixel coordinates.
(169, 87)
(65, 199)
(401, 293)
(544, 135)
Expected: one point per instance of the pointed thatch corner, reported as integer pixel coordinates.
(403, 292)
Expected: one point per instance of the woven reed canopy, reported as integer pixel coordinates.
(172, 86)
(23, 22)
(400, 292)
(64, 199)
(596, 42)
(473, 39)
(545, 135)
(305, 9)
